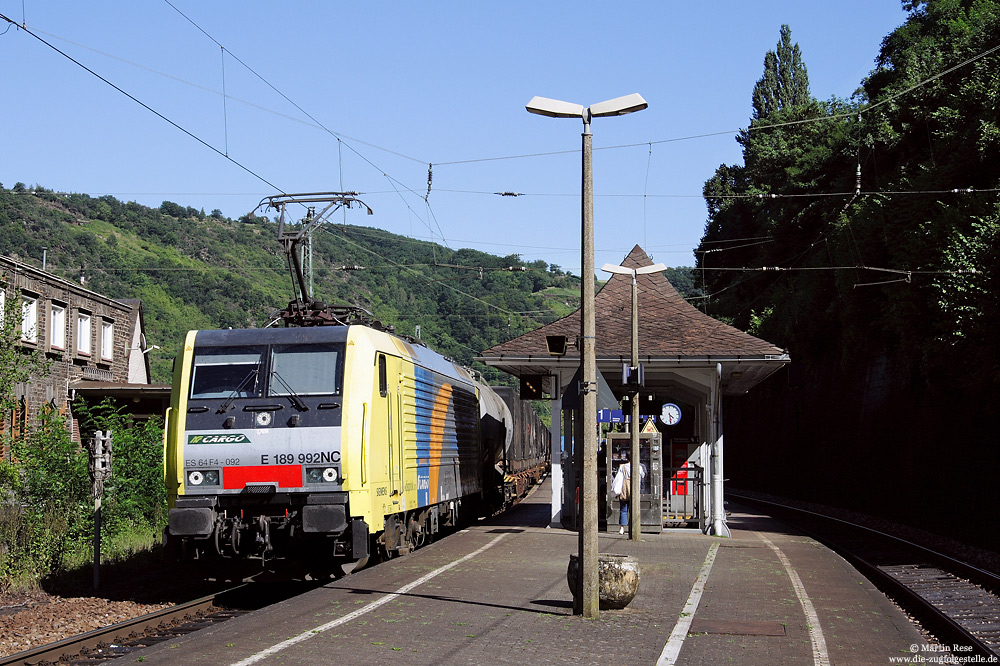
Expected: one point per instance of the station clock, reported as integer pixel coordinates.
(670, 414)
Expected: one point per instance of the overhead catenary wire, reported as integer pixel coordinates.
(563, 152)
(213, 91)
(752, 128)
(392, 181)
(458, 291)
(150, 109)
(224, 153)
(648, 143)
(645, 190)
(767, 269)
(760, 195)
(735, 247)
(744, 242)
(225, 114)
(854, 245)
(736, 240)
(752, 272)
(280, 93)
(389, 261)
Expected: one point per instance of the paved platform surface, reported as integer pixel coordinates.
(497, 594)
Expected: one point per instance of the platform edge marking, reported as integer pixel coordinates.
(820, 655)
(672, 649)
(274, 649)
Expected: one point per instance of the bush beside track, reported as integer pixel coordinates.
(46, 501)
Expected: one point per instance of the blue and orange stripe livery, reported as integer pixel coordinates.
(436, 440)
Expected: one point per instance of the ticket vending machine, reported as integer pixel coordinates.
(619, 445)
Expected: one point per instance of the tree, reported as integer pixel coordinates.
(43, 483)
(785, 83)
(172, 209)
(890, 348)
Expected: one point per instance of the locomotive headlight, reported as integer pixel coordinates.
(206, 477)
(322, 474)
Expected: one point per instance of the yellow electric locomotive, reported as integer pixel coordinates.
(330, 437)
(286, 441)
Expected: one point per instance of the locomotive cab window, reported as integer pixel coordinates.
(306, 370)
(221, 372)
(383, 379)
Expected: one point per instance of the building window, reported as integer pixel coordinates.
(83, 333)
(107, 340)
(29, 319)
(57, 326)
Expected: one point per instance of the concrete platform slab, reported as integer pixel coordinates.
(497, 594)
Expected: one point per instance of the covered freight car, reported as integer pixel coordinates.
(528, 453)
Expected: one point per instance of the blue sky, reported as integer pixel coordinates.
(407, 84)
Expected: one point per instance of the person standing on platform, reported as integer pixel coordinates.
(622, 487)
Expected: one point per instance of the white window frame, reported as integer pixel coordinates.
(29, 318)
(3, 303)
(83, 343)
(57, 326)
(107, 340)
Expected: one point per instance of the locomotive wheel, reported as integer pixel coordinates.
(391, 539)
(416, 532)
(234, 540)
(428, 535)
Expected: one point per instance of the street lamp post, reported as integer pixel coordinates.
(588, 594)
(635, 523)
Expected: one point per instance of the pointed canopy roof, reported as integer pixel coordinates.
(671, 332)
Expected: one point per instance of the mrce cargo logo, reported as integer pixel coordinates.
(234, 438)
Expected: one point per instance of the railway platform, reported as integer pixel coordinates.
(496, 593)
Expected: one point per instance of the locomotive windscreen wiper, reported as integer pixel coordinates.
(291, 395)
(224, 407)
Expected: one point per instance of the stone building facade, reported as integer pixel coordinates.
(90, 339)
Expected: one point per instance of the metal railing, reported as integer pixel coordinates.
(682, 492)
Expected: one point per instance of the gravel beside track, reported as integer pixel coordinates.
(41, 618)
(69, 605)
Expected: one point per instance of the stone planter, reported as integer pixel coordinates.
(617, 575)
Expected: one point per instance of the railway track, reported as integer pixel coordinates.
(118, 639)
(121, 639)
(101, 645)
(959, 603)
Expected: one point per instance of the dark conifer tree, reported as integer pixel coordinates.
(785, 82)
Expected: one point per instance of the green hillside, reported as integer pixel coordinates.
(193, 270)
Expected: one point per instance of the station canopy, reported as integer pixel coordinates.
(676, 341)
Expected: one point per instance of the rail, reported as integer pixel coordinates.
(128, 630)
